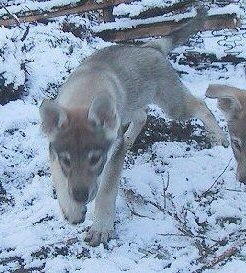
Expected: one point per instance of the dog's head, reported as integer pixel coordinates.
(80, 140)
(232, 102)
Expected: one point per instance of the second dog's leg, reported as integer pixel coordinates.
(174, 98)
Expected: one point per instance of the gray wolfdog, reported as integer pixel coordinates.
(232, 102)
(99, 112)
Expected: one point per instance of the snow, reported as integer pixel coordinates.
(33, 51)
(156, 232)
(235, 266)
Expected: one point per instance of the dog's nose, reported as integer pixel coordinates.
(241, 174)
(80, 195)
(242, 179)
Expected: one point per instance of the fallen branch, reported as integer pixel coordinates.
(226, 255)
(164, 28)
(11, 15)
(87, 6)
(159, 11)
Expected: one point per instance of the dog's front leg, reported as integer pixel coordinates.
(103, 223)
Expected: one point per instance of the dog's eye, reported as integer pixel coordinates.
(65, 159)
(94, 157)
(237, 144)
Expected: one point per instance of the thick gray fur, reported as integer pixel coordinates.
(109, 90)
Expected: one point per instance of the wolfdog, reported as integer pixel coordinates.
(232, 102)
(99, 112)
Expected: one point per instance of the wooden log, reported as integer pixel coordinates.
(157, 11)
(164, 28)
(87, 6)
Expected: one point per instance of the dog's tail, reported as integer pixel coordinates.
(180, 35)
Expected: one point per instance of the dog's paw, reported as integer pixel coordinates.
(225, 142)
(95, 238)
(219, 140)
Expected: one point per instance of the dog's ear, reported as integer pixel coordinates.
(103, 113)
(53, 117)
(228, 98)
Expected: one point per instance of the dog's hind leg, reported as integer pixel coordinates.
(174, 98)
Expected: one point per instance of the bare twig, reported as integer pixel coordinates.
(165, 188)
(62, 11)
(235, 190)
(208, 253)
(227, 254)
(133, 212)
(25, 33)
(224, 256)
(182, 226)
(69, 241)
(172, 234)
(238, 238)
(217, 179)
(11, 15)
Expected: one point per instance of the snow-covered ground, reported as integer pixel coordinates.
(179, 209)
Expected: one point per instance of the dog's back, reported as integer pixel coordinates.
(135, 76)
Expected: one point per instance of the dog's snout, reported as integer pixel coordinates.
(241, 173)
(80, 195)
(242, 179)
